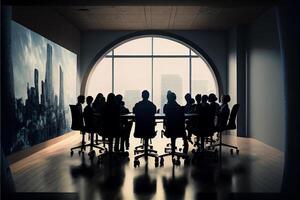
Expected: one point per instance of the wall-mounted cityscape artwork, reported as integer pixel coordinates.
(44, 84)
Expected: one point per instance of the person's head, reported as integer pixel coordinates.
(111, 98)
(145, 95)
(226, 98)
(171, 97)
(198, 98)
(212, 97)
(119, 99)
(89, 100)
(98, 97)
(204, 98)
(188, 97)
(80, 99)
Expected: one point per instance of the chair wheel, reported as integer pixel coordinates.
(92, 154)
(231, 151)
(237, 152)
(79, 152)
(156, 159)
(156, 164)
(151, 147)
(136, 163)
(180, 149)
(71, 153)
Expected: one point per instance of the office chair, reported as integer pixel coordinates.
(93, 126)
(230, 126)
(77, 125)
(145, 150)
(174, 128)
(204, 133)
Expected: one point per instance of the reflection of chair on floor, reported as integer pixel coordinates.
(144, 184)
(230, 126)
(175, 186)
(110, 181)
(77, 125)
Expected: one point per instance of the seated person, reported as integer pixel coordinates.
(213, 110)
(144, 117)
(88, 114)
(79, 124)
(124, 126)
(188, 109)
(174, 123)
(111, 119)
(223, 113)
(99, 103)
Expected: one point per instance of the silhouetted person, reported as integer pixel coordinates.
(111, 117)
(124, 126)
(144, 117)
(80, 122)
(99, 103)
(198, 101)
(203, 126)
(80, 101)
(174, 122)
(213, 109)
(88, 114)
(223, 113)
(188, 109)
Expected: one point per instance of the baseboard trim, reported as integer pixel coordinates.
(15, 157)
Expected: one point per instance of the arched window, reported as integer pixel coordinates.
(156, 64)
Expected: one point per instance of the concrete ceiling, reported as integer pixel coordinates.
(162, 17)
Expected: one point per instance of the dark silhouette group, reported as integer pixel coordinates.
(105, 117)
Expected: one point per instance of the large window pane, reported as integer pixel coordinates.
(141, 46)
(203, 81)
(170, 74)
(132, 76)
(100, 80)
(162, 46)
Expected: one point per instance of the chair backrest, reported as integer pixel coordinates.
(234, 111)
(77, 118)
(144, 120)
(175, 122)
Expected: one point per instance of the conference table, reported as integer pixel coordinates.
(158, 116)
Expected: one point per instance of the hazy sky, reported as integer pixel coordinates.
(29, 51)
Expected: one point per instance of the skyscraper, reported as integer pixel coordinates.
(171, 82)
(61, 89)
(48, 79)
(36, 85)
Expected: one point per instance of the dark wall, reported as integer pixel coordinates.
(50, 24)
(214, 43)
(265, 82)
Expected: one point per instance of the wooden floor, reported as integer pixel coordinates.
(258, 168)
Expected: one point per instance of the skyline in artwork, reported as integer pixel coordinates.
(41, 71)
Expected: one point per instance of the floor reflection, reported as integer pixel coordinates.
(206, 179)
(144, 186)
